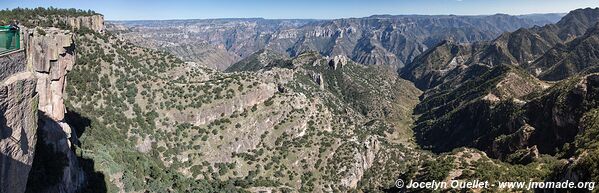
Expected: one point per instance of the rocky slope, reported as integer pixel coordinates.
(307, 123)
(476, 109)
(578, 55)
(469, 100)
(524, 48)
(486, 95)
(380, 39)
(497, 105)
(261, 60)
(255, 129)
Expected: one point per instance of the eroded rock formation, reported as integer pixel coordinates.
(32, 86)
(94, 22)
(51, 56)
(18, 122)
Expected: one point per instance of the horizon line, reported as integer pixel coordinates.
(322, 19)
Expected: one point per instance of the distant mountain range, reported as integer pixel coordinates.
(525, 47)
(379, 39)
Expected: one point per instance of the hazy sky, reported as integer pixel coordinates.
(316, 9)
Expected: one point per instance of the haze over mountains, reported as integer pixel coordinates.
(378, 39)
(258, 105)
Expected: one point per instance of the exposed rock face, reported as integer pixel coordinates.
(51, 56)
(556, 115)
(95, 22)
(11, 64)
(18, 122)
(33, 80)
(318, 80)
(338, 61)
(362, 162)
(511, 143)
(212, 113)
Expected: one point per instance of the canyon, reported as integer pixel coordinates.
(378, 39)
(259, 105)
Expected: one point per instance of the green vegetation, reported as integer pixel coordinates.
(31, 17)
(160, 125)
(117, 120)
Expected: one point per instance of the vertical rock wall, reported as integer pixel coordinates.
(95, 22)
(32, 83)
(51, 55)
(18, 122)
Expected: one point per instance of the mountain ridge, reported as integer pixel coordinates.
(393, 40)
(520, 48)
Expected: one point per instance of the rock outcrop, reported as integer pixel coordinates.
(18, 122)
(31, 92)
(94, 22)
(362, 161)
(318, 79)
(51, 55)
(338, 61)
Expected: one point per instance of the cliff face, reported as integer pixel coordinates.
(51, 56)
(31, 92)
(18, 122)
(94, 22)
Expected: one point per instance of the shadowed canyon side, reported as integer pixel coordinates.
(51, 54)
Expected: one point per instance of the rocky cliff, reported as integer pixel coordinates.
(32, 104)
(51, 55)
(93, 22)
(18, 122)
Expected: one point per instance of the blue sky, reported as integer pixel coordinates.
(285, 9)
